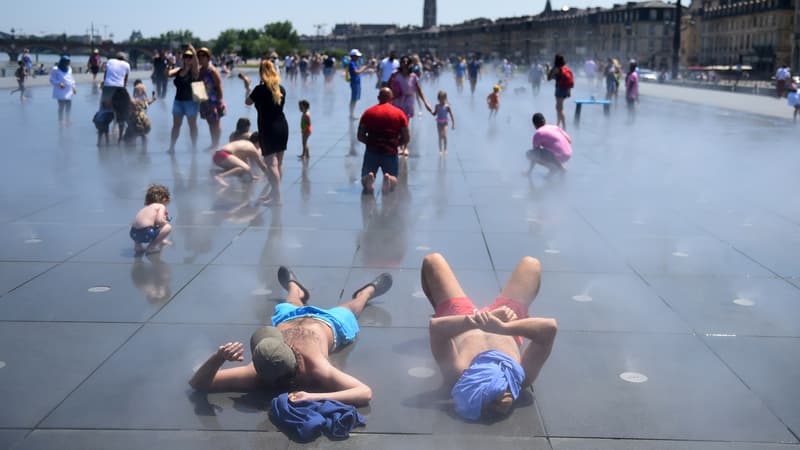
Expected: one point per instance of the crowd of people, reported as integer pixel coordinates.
(479, 351)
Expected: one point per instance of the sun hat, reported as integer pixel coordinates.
(355, 52)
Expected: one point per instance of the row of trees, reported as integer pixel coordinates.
(250, 43)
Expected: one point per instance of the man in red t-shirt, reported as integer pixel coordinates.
(382, 128)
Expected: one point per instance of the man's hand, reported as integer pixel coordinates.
(299, 396)
(504, 313)
(488, 322)
(232, 351)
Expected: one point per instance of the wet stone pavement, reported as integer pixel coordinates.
(668, 250)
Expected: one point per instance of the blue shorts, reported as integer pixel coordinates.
(561, 92)
(186, 108)
(355, 92)
(144, 235)
(341, 320)
(389, 164)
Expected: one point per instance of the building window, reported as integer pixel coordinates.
(653, 14)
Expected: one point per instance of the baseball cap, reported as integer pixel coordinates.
(355, 52)
(273, 359)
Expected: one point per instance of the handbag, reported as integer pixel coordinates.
(199, 93)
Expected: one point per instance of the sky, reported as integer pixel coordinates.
(206, 18)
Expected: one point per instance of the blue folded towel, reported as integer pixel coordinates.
(489, 375)
(307, 419)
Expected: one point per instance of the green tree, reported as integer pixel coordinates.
(180, 37)
(282, 31)
(136, 36)
(227, 40)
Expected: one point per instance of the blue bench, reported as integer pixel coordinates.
(592, 101)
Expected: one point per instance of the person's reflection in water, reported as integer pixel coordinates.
(305, 184)
(197, 240)
(353, 139)
(384, 239)
(234, 206)
(152, 278)
(440, 193)
(274, 247)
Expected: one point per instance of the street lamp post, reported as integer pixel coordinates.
(676, 40)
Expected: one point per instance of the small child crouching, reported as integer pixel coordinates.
(150, 226)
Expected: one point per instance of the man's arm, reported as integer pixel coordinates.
(209, 378)
(362, 133)
(542, 334)
(404, 136)
(247, 99)
(343, 387)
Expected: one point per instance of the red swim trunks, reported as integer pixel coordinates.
(220, 156)
(463, 306)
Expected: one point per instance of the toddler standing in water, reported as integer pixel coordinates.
(150, 226)
(441, 111)
(493, 101)
(305, 126)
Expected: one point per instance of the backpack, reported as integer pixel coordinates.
(567, 80)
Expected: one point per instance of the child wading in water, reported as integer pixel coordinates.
(150, 226)
(493, 100)
(20, 74)
(441, 111)
(305, 126)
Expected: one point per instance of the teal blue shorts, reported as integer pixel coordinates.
(341, 320)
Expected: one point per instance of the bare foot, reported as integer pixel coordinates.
(153, 249)
(389, 183)
(269, 200)
(369, 183)
(220, 181)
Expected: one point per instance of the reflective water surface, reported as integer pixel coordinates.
(668, 250)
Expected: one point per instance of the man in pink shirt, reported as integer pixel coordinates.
(551, 146)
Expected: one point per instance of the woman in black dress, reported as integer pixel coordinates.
(269, 97)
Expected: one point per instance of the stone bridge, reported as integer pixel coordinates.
(13, 47)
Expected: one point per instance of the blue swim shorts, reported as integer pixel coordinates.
(355, 92)
(186, 108)
(341, 320)
(144, 235)
(389, 164)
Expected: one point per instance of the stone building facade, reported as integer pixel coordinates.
(712, 32)
(755, 32)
